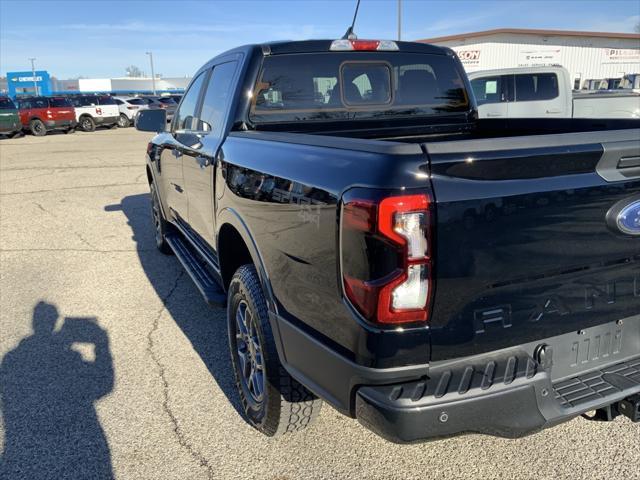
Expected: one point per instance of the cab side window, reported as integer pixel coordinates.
(217, 98)
(40, 103)
(185, 118)
(536, 86)
(488, 90)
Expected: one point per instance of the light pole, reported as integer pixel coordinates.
(399, 19)
(33, 77)
(153, 74)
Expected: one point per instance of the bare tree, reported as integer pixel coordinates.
(133, 71)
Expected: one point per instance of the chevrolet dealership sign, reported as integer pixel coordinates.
(37, 78)
(22, 83)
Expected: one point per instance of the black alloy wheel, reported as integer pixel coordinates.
(273, 401)
(87, 124)
(38, 128)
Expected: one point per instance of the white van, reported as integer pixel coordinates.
(535, 92)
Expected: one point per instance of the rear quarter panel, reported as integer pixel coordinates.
(63, 113)
(9, 120)
(288, 195)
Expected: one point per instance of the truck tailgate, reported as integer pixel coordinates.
(524, 249)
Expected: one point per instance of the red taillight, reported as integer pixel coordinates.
(365, 45)
(395, 236)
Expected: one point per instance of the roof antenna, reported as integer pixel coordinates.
(349, 35)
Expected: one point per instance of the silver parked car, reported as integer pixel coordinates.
(165, 102)
(129, 108)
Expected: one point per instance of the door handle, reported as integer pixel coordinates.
(494, 114)
(554, 110)
(203, 161)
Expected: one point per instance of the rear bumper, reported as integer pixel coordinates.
(400, 414)
(508, 393)
(106, 120)
(60, 124)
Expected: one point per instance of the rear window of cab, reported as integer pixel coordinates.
(364, 85)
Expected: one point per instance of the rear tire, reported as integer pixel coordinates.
(123, 121)
(160, 224)
(37, 127)
(273, 401)
(87, 124)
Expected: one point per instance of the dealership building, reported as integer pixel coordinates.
(42, 83)
(586, 55)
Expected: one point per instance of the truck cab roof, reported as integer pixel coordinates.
(283, 47)
(315, 46)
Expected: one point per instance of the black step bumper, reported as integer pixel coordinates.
(512, 392)
(513, 410)
(508, 393)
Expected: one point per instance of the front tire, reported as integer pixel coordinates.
(160, 224)
(123, 121)
(273, 401)
(87, 124)
(37, 127)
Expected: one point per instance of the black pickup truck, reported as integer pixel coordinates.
(379, 247)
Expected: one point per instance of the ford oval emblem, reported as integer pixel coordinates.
(624, 216)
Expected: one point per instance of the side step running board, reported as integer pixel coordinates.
(197, 270)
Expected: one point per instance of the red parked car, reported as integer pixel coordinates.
(42, 114)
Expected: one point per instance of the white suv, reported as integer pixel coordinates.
(95, 110)
(129, 108)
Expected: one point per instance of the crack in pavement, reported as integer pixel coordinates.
(74, 167)
(49, 172)
(77, 234)
(115, 250)
(165, 385)
(72, 188)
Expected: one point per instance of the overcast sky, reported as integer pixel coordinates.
(101, 38)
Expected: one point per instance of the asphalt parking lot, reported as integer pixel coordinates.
(112, 365)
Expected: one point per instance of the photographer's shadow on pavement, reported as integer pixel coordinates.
(205, 327)
(49, 385)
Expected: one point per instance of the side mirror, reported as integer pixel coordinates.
(152, 120)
